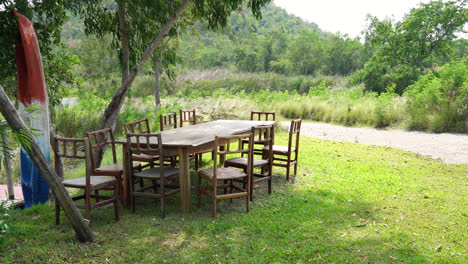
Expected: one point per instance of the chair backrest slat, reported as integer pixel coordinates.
(61, 146)
(138, 126)
(167, 121)
(294, 132)
(265, 116)
(79, 150)
(225, 142)
(100, 139)
(143, 143)
(187, 116)
(263, 135)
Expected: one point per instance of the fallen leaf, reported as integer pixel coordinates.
(392, 257)
(364, 224)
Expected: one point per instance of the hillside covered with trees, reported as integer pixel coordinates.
(412, 71)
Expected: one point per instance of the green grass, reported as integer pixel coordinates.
(350, 203)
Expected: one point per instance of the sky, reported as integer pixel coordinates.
(346, 16)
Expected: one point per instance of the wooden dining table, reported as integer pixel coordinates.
(187, 140)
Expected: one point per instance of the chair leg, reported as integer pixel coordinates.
(132, 198)
(96, 192)
(249, 195)
(214, 207)
(270, 176)
(163, 199)
(200, 160)
(196, 162)
(288, 168)
(295, 168)
(116, 203)
(57, 212)
(214, 199)
(231, 188)
(199, 192)
(250, 186)
(247, 204)
(88, 203)
(155, 186)
(142, 183)
(119, 181)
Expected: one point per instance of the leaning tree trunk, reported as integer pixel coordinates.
(157, 88)
(13, 119)
(124, 41)
(58, 164)
(125, 52)
(109, 118)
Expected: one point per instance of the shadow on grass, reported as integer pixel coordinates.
(291, 225)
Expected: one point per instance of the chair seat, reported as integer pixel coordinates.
(242, 162)
(223, 173)
(279, 149)
(204, 151)
(145, 158)
(154, 173)
(96, 182)
(114, 167)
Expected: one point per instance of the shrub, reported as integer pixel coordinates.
(6, 221)
(439, 100)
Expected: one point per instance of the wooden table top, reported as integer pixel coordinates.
(199, 134)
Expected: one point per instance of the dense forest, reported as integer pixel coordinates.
(278, 42)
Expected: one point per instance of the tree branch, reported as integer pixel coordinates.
(120, 94)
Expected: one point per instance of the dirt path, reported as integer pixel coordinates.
(449, 148)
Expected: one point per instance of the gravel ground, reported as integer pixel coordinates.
(448, 148)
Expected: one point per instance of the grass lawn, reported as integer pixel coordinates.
(349, 203)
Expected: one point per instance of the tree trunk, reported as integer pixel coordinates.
(109, 118)
(13, 119)
(157, 96)
(6, 157)
(125, 61)
(124, 41)
(58, 164)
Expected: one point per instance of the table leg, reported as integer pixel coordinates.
(184, 176)
(126, 182)
(222, 157)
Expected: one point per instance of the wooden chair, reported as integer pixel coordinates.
(213, 176)
(261, 116)
(265, 116)
(187, 116)
(261, 135)
(102, 139)
(141, 126)
(89, 183)
(150, 144)
(282, 155)
(167, 121)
